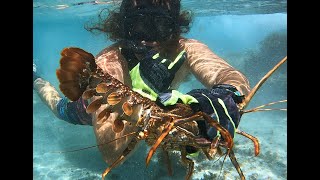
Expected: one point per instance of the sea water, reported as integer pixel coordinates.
(252, 42)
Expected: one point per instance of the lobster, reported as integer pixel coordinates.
(173, 128)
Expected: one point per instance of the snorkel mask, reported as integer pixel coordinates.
(147, 23)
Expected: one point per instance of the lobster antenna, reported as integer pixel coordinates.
(247, 99)
(259, 108)
(267, 109)
(129, 134)
(222, 165)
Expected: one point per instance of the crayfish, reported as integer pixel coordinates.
(173, 128)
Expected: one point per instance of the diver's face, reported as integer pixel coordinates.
(149, 27)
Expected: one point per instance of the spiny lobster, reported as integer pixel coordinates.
(173, 128)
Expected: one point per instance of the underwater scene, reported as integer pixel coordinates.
(250, 35)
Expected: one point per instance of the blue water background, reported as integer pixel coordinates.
(252, 43)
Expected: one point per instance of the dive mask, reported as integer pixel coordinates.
(149, 25)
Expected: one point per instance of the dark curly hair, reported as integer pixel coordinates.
(112, 22)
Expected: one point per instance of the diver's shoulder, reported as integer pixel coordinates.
(111, 49)
(189, 41)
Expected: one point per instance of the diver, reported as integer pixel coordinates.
(150, 55)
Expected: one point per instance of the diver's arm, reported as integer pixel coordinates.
(48, 94)
(210, 69)
(72, 112)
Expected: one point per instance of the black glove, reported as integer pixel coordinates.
(158, 72)
(220, 103)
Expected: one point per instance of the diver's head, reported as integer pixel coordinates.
(150, 20)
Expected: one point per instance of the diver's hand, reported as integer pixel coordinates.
(220, 103)
(222, 91)
(35, 75)
(158, 72)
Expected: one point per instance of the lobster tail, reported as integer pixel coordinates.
(74, 72)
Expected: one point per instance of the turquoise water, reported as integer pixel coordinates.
(253, 43)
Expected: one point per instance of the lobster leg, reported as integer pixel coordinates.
(212, 151)
(253, 139)
(236, 165)
(159, 140)
(121, 158)
(224, 132)
(228, 140)
(203, 116)
(188, 162)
